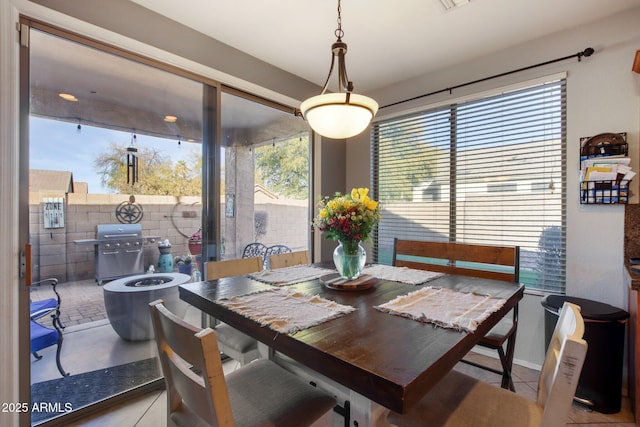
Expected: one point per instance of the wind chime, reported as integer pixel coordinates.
(132, 163)
(130, 212)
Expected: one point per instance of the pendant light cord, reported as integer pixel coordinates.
(587, 52)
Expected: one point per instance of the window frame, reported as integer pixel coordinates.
(549, 277)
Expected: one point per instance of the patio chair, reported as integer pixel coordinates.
(261, 393)
(41, 308)
(232, 342)
(42, 337)
(486, 261)
(459, 400)
(288, 259)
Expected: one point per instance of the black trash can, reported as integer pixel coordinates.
(600, 383)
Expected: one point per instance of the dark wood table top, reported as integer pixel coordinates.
(389, 359)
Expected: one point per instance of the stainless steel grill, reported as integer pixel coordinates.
(119, 250)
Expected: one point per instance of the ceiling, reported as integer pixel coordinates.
(117, 93)
(388, 40)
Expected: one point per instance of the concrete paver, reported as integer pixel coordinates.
(82, 301)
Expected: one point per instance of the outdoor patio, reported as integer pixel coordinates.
(82, 301)
(90, 343)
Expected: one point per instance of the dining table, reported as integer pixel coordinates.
(372, 359)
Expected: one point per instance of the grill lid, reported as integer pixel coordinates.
(105, 232)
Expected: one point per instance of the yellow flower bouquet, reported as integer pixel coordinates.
(350, 219)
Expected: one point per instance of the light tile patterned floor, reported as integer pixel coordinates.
(150, 410)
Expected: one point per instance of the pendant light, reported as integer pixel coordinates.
(343, 114)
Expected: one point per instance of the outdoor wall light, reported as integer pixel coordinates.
(343, 114)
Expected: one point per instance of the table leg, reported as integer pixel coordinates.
(265, 351)
(365, 412)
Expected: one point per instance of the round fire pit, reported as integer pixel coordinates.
(127, 302)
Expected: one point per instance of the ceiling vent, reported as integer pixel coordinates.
(453, 4)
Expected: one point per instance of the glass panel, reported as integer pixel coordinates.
(413, 181)
(487, 172)
(265, 158)
(104, 150)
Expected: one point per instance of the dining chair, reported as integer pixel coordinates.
(41, 308)
(255, 249)
(232, 267)
(260, 393)
(238, 346)
(459, 400)
(288, 259)
(274, 250)
(485, 261)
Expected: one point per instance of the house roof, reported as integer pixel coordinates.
(49, 180)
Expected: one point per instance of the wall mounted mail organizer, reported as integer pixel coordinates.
(605, 169)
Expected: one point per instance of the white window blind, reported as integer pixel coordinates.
(487, 171)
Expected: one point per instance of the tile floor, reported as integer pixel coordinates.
(150, 410)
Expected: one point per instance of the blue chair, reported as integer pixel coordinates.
(41, 308)
(43, 337)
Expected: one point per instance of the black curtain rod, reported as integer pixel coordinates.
(587, 52)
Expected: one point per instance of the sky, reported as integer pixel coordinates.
(56, 145)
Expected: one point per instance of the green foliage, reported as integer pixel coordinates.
(157, 175)
(409, 162)
(284, 167)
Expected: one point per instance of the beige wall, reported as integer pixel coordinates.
(55, 254)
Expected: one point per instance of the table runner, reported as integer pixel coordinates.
(444, 307)
(285, 310)
(411, 276)
(290, 275)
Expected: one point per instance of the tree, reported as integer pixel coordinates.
(157, 174)
(284, 167)
(409, 163)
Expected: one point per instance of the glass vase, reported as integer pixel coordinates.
(349, 258)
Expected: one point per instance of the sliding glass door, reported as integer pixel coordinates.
(119, 142)
(113, 142)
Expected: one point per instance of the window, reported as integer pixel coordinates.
(487, 171)
(265, 156)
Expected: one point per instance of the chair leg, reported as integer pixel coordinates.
(62, 371)
(507, 364)
(56, 319)
(56, 322)
(507, 381)
(506, 360)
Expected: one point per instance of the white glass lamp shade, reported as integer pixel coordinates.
(330, 115)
